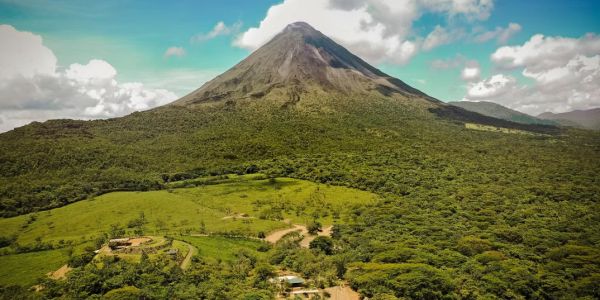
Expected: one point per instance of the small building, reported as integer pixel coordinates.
(173, 252)
(293, 281)
(119, 243)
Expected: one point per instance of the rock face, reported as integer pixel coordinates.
(297, 60)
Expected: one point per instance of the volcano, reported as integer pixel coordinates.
(302, 69)
(299, 60)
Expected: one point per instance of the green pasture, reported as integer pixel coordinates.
(205, 208)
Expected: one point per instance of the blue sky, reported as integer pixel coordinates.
(133, 37)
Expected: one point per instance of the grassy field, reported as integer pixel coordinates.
(224, 248)
(238, 205)
(25, 268)
(498, 129)
(209, 208)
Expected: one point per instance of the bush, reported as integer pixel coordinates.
(470, 245)
(313, 227)
(323, 244)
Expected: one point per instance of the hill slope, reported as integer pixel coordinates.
(498, 111)
(589, 119)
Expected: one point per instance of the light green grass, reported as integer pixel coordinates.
(181, 211)
(24, 269)
(223, 248)
(498, 129)
(176, 212)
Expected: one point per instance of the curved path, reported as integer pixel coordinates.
(185, 263)
(326, 231)
(275, 236)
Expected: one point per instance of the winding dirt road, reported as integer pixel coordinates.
(185, 263)
(275, 236)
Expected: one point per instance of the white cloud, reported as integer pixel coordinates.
(440, 36)
(175, 51)
(220, 29)
(376, 30)
(565, 74)
(496, 86)
(501, 35)
(543, 53)
(471, 72)
(22, 53)
(32, 89)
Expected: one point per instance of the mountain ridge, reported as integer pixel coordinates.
(589, 118)
(496, 110)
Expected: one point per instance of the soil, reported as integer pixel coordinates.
(61, 273)
(342, 293)
(277, 235)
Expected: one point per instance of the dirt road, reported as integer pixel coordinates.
(61, 273)
(342, 293)
(275, 236)
(185, 263)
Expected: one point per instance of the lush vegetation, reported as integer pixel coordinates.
(464, 214)
(222, 206)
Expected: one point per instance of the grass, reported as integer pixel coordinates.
(175, 212)
(223, 248)
(498, 129)
(181, 211)
(24, 269)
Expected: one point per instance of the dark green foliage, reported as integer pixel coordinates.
(6, 241)
(412, 281)
(313, 227)
(323, 244)
(81, 260)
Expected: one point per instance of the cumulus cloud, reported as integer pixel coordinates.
(500, 34)
(494, 87)
(471, 71)
(175, 51)
(565, 74)
(377, 30)
(24, 54)
(36, 90)
(220, 29)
